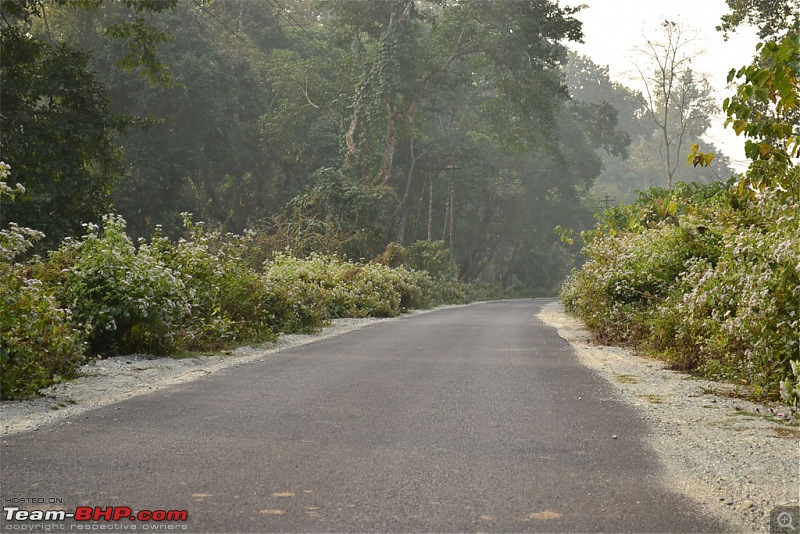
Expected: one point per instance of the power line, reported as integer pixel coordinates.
(221, 23)
(284, 14)
(312, 39)
(287, 16)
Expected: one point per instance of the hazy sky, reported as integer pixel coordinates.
(613, 28)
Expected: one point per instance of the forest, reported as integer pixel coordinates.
(333, 126)
(167, 162)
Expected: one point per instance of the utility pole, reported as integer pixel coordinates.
(608, 202)
(429, 176)
(452, 220)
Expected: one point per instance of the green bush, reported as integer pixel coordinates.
(39, 344)
(745, 310)
(429, 256)
(307, 292)
(386, 292)
(128, 297)
(228, 300)
(301, 291)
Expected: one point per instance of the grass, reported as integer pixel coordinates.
(626, 379)
(652, 399)
(786, 432)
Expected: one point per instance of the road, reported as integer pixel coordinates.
(469, 419)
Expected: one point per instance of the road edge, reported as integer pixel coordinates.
(737, 459)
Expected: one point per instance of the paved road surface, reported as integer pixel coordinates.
(477, 418)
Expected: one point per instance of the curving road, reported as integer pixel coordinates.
(468, 419)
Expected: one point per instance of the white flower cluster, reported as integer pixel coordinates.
(5, 189)
(113, 285)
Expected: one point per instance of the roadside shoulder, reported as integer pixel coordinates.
(738, 458)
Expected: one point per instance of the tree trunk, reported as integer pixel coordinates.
(389, 143)
(404, 202)
(350, 134)
(506, 274)
(430, 207)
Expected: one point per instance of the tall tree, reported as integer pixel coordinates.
(622, 178)
(58, 126)
(57, 136)
(678, 99)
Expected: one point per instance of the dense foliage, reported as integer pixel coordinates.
(334, 126)
(713, 287)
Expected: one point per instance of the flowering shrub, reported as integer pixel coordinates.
(309, 291)
(716, 290)
(386, 291)
(38, 342)
(300, 291)
(746, 308)
(228, 301)
(128, 297)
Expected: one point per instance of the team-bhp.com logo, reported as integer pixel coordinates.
(95, 513)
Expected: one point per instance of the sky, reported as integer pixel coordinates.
(613, 28)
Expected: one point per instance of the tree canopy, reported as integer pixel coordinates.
(334, 126)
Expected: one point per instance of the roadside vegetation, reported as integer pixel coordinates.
(104, 295)
(708, 277)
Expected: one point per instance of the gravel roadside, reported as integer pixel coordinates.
(737, 458)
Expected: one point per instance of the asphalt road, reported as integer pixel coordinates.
(469, 419)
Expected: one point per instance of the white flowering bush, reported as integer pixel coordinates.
(307, 292)
(628, 272)
(385, 291)
(229, 303)
(743, 312)
(39, 344)
(128, 297)
(303, 291)
(715, 290)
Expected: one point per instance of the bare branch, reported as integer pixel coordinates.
(305, 93)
